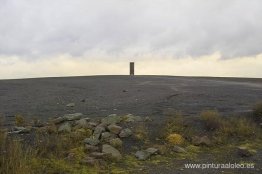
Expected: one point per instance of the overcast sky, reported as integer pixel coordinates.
(40, 38)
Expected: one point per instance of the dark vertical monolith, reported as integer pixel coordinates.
(132, 68)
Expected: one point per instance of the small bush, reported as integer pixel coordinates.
(257, 112)
(2, 132)
(230, 128)
(141, 132)
(212, 119)
(19, 120)
(175, 139)
(239, 127)
(175, 124)
(180, 124)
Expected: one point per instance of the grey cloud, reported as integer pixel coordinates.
(178, 28)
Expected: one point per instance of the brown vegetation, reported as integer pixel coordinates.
(53, 152)
(257, 113)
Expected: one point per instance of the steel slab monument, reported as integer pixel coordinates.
(132, 68)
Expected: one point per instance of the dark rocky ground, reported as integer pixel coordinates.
(154, 96)
(141, 95)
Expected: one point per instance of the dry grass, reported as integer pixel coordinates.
(239, 128)
(230, 129)
(49, 150)
(175, 139)
(223, 130)
(47, 153)
(177, 124)
(212, 119)
(19, 120)
(257, 112)
(141, 132)
(13, 157)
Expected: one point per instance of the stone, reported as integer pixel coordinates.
(20, 130)
(38, 123)
(58, 120)
(111, 119)
(103, 125)
(114, 128)
(92, 125)
(91, 148)
(70, 105)
(65, 128)
(162, 149)
(98, 131)
(72, 117)
(90, 161)
(245, 152)
(81, 132)
(125, 133)
(178, 149)
(148, 119)
(99, 155)
(106, 136)
(132, 118)
(82, 123)
(91, 141)
(142, 155)
(108, 149)
(204, 140)
(152, 151)
(116, 142)
(87, 119)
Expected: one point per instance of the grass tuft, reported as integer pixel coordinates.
(175, 139)
(212, 119)
(19, 120)
(257, 112)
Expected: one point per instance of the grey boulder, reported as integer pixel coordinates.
(125, 133)
(115, 154)
(91, 141)
(65, 128)
(142, 155)
(72, 117)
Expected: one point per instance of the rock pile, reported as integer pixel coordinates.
(105, 139)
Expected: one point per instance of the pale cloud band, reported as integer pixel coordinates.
(41, 38)
(66, 65)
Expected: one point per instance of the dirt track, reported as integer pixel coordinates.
(142, 95)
